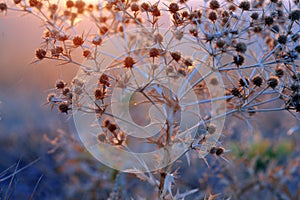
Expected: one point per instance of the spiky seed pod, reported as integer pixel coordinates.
(244, 5)
(257, 81)
(238, 60)
(213, 16)
(63, 107)
(269, 20)
(241, 47)
(134, 7)
(273, 82)
(128, 62)
(101, 137)
(235, 92)
(220, 151)
(214, 4)
(145, 7)
(78, 41)
(243, 83)
(211, 128)
(294, 15)
(154, 52)
(40, 54)
(282, 39)
(254, 15)
(173, 7)
(279, 72)
(60, 84)
(176, 55)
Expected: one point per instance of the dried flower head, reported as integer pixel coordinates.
(282, 39)
(214, 4)
(63, 107)
(238, 60)
(154, 52)
(66, 91)
(60, 84)
(269, 20)
(213, 16)
(173, 7)
(101, 137)
(78, 41)
(273, 81)
(220, 151)
(236, 92)
(17, 1)
(56, 51)
(279, 72)
(3, 7)
(40, 54)
(257, 81)
(134, 7)
(145, 7)
(128, 62)
(51, 98)
(158, 38)
(70, 3)
(97, 40)
(211, 128)
(244, 82)
(254, 15)
(245, 5)
(188, 62)
(154, 10)
(86, 53)
(241, 47)
(104, 80)
(220, 43)
(99, 94)
(176, 55)
(103, 30)
(294, 15)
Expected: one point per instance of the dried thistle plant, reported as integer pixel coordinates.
(142, 61)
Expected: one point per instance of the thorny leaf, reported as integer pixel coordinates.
(183, 195)
(169, 180)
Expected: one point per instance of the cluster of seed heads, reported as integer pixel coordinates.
(252, 45)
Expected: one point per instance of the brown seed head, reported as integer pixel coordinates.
(101, 137)
(128, 62)
(273, 82)
(213, 16)
(154, 52)
(78, 41)
(40, 54)
(176, 55)
(244, 5)
(257, 81)
(220, 151)
(158, 38)
(70, 4)
(173, 7)
(104, 79)
(63, 107)
(241, 47)
(145, 7)
(60, 84)
(214, 4)
(17, 1)
(134, 7)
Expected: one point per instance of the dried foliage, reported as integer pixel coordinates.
(253, 46)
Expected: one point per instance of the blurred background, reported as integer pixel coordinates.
(54, 165)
